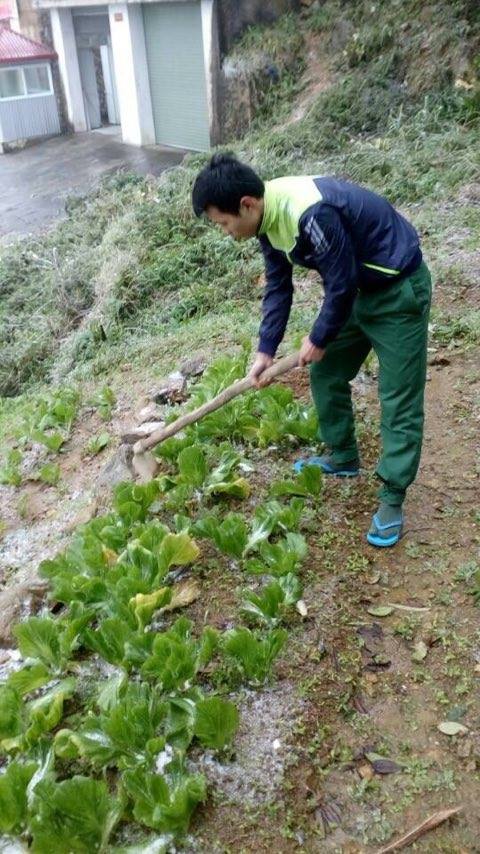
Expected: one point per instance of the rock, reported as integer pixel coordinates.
(464, 748)
(152, 412)
(145, 466)
(16, 602)
(171, 390)
(141, 431)
(118, 468)
(83, 516)
(193, 367)
(439, 360)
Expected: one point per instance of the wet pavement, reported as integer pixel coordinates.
(35, 182)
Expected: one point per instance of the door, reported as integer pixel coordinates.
(174, 42)
(110, 84)
(88, 77)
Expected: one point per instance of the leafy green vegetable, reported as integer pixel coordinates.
(104, 401)
(165, 802)
(254, 655)
(10, 472)
(230, 535)
(279, 558)
(122, 734)
(216, 722)
(145, 604)
(77, 815)
(272, 604)
(52, 441)
(109, 694)
(39, 638)
(46, 712)
(176, 550)
(307, 483)
(11, 713)
(109, 640)
(29, 678)
(176, 656)
(49, 473)
(192, 465)
(13, 796)
(98, 443)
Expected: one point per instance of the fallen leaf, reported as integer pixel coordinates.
(385, 766)
(380, 610)
(407, 607)
(452, 728)
(183, 594)
(373, 577)
(366, 772)
(419, 651)
(110, 556)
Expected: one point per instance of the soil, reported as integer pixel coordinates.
(347, 685)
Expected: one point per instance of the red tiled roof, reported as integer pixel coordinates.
(17, 48)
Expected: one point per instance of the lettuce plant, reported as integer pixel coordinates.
(279, 558)
(177, 657)
(76, 815)
(124, 735)
(216, 722)
(165, 802)
(308, 483)
(13, 796)
(272, 604)
(254, 654)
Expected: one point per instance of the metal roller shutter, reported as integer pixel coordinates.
(174, 42)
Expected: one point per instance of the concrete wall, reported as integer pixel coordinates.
(234, 17)
(131, 72)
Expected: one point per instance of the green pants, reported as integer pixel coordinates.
(394, 321)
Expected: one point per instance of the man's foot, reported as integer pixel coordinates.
(387, 525)
(328, 466)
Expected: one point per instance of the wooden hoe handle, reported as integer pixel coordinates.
(239, 387)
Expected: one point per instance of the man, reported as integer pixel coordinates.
(377, 294)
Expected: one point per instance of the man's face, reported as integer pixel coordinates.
(240, 226)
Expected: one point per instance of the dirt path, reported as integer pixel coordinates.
(382, 685)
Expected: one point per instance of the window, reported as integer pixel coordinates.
(37, 80)
(25, 81)
(11, 83)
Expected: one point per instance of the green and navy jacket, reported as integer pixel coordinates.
(355, 239)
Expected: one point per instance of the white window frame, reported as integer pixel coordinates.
(21, 68)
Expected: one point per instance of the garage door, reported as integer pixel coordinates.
(173, 34)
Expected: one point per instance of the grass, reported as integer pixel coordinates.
(131, 273)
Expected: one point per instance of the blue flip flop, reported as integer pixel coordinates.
(385, 542)
(327, 468)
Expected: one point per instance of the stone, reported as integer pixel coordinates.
(20, 600)
(171, 390)
(118, 468)
(141, 431)
(193, 367)
(145, 466)
(464, 748)
(151, 412)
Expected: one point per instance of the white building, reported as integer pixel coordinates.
(147, 66)
(28, 107)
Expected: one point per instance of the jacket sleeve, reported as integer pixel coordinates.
(334, 258)
(277, 299)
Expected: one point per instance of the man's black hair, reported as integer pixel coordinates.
(223, 183)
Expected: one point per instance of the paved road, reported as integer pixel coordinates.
(35, 182)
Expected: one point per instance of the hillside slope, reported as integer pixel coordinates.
(337, 747)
